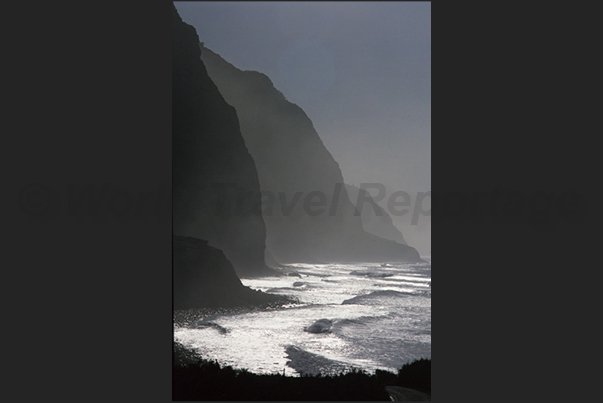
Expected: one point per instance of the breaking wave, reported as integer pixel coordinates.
(375, 296)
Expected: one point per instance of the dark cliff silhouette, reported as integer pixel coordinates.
(375, 220)
(203, 277)
(208, 151)
(291, 158)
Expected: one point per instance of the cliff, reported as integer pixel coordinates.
(375, 220)
(292, 162)
(211, 164)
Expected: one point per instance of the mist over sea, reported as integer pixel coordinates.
(379, 317)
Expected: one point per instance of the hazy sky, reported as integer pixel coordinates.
(360, 70)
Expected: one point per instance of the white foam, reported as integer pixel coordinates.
(257, 341)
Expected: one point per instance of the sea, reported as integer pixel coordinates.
(376, 316)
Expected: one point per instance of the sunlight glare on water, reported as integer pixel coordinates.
(381, 320)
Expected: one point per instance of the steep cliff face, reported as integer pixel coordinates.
(203, 277)
(293, 163)
(211, 164)
(375, 220)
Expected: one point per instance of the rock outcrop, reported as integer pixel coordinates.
(320, 326)
(203, 277)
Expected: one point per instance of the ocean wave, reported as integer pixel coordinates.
(374, 296)
(410, 279)
(364, 320)
(371, 273)
(299, 284)
(350, 322)
(282, 289)
(204, 324)
(410, 289)
(310, 274)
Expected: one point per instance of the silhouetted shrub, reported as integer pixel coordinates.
(416, 375)
(208, 380)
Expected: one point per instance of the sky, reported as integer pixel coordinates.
(360, 70)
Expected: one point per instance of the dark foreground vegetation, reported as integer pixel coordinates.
(196, 379)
